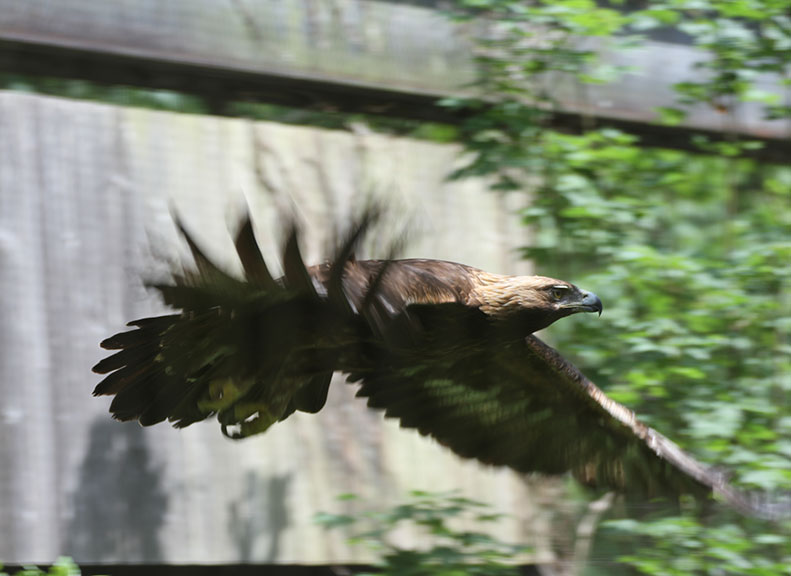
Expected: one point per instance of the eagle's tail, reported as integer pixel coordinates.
(251, 351)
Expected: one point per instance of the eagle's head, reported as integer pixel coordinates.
(531, 303)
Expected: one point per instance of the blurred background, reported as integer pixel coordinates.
(639, 149)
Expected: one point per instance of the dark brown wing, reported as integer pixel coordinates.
(522, 405)
(251, 351)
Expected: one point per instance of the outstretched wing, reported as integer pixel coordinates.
(522, 405)
(251, 350)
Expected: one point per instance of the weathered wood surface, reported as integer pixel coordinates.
(402, 48)
(85, 194)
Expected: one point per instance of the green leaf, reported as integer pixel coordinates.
(671, 116)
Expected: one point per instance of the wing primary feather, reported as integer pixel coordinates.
(125, 340)
(335, 289)
(205, 266)
(253, 262)
(296, 274)
(126, 357)
(116, 381)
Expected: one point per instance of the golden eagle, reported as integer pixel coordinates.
(445, 348)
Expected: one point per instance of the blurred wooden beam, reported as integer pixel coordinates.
(362, 56)
(229, 569)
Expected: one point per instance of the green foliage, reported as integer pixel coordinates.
(182, 102)
(448, 549)
(682, 548)
(743, 38)
(690, 253)
(63, 566)
(118, 95)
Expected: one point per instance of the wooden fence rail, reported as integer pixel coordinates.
(372, 56)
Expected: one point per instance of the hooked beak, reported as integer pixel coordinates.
(590, 303)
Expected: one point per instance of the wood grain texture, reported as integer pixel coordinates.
(394, 50)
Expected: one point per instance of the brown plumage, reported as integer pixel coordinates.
(443, 347)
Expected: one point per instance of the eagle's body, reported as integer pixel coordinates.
(443, 347)
(524, 301)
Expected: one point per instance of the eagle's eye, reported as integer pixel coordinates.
(558, 292)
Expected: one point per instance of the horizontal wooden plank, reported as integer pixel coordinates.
(372, 43)
(357, 56)
(230, 569)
